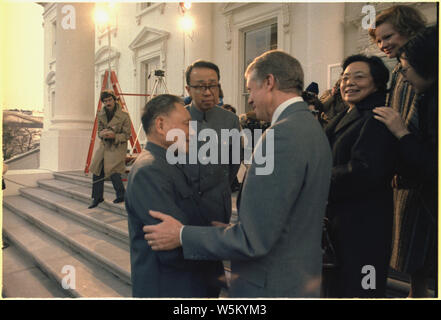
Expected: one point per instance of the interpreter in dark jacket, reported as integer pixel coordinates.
(154, 184)
(360, 200)
(212, 179)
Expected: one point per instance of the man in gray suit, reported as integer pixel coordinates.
(275, 248)
(156, 184)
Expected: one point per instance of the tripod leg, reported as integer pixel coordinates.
(165, 85)
(155, 86)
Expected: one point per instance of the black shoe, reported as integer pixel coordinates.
(95, 202)
(118, 200)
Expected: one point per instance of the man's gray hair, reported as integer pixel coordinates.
(286, 70)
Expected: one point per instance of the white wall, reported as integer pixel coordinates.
(318, 34)
(163, 18)
(318, 39)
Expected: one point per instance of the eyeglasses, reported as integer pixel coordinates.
(202, 88)
(356, 78)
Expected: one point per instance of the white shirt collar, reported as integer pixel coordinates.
(282, 107)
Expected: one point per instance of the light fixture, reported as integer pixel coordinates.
(101, 16)
(187, 24)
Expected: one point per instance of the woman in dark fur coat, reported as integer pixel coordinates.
(360, 206)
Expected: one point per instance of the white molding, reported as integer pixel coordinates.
(229, 8)
(102, 55)
(330, 81)
(49, 8)
(241, 23)
(228, 30)
(52, 64)
(286, 17)
(154, 41)
(148, 44)
(138, 17)
(113, 30)
(143, 39)
(102, 61)
(140, 81)
(50, 83)
(50, 78)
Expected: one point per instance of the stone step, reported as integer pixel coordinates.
(23, 279)
(82, 193)
(82, 179)
(52, 256)
(111, 254)
(99, 219)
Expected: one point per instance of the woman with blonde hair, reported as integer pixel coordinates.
(418, 152)
(393, 28)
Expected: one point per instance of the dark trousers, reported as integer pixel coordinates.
(98, 185)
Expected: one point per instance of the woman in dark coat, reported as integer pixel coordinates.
(360, 199)
(418, 160)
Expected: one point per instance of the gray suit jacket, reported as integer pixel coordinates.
(275, 247)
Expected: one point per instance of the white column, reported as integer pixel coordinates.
(64, 144)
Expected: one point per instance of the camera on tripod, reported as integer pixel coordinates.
(159, 73)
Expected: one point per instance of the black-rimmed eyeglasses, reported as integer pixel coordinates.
(203, 88)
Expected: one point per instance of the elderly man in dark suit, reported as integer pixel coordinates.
(275, 247)
(155, 184)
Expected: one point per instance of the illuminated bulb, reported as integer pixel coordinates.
(187, 23)
(101, 16)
